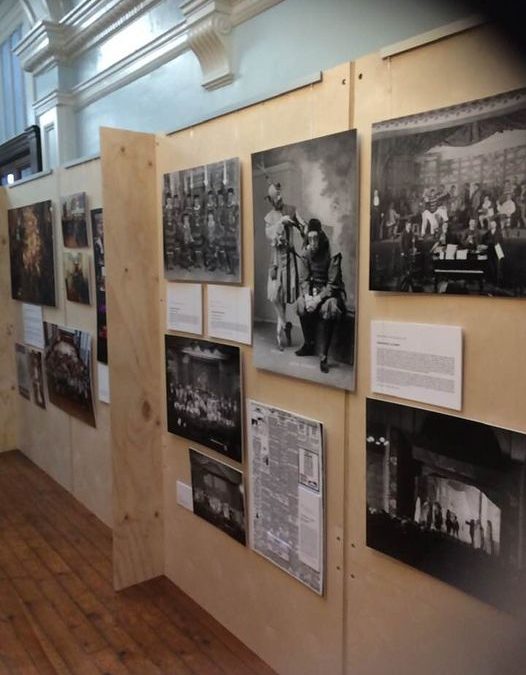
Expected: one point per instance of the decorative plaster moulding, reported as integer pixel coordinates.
(206, 30)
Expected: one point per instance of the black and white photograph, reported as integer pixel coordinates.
(202, 223)
(37, 376)
(203, 393)
(446, 495)
(218, 495)
(77, 276)
(97, 229)
(448, 200)
(74, 220)
(67, 362)
(22, 371)
(31, 253)
(305, 259)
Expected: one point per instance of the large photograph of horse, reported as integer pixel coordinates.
(448, 200)
(305, 238)
(446, 495)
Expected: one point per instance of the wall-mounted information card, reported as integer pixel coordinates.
(184, 308)
(417, 361)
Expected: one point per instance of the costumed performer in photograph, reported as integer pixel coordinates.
(322, 293)
(283, 279)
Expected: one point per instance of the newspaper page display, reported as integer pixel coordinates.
(286, 471)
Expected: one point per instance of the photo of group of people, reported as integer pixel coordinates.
(31, 251)
(202, 223)
(446, 495)
(203, 381)
(218, 495)
(448, 200)
(305, 232)
(67, 363)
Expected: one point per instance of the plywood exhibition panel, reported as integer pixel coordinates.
(8, 395)
(289, 626)
(134, 349)
(397, 618)
(73, 453)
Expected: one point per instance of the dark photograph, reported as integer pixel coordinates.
(22, 371)
(448, 200)
(67, 362)
(31, 251)
(447, 495)
(37, 376)
(202, 223)
(305, 237)
(218, 495)
(74, 221)
(203, 393)
(77, 276)
(97, 228)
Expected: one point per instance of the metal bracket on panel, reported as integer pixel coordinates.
(209, 25)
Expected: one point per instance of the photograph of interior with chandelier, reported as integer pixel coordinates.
(262, 337)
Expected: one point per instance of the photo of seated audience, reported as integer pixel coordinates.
(448, 200)
(445, 495)
(204, 393)
(201, 223)
(218, 495)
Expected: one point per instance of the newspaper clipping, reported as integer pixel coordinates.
(286, 492)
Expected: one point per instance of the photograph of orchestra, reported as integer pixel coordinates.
(202, 223)
(67, 361)
(446, 495)
(218, 495)
(448, 200)
(31, 252)
(203, 393)
(74, 220)
(305, 233)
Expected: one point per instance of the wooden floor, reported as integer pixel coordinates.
(59, 613)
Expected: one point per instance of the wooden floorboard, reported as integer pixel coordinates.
(59, 613)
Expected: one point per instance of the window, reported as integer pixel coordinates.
(13, 105)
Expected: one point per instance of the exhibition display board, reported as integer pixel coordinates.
(376, 613)
(76, 455)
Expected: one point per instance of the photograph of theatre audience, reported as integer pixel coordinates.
(201, 223)
(446, 495)
(204, 393)
(218, 495)
(448, 200)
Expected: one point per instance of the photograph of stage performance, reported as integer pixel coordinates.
(74, 220)
(202, 223)
(218, 495)
(305, 233)
(448, 200)
(203, 393)
(447, 495)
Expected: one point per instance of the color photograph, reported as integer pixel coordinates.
(446, 495)
(305, 262)
(202, 223)
(203, 393)
(77, 276)
(448, 200)
(218, 495)
(31, 251)
(67, 362)
(74, 221)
